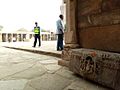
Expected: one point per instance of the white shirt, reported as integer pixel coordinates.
(60, 27)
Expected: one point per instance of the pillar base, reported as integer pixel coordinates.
(71, 46)
(66, 54)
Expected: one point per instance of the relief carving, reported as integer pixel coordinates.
(85, 64)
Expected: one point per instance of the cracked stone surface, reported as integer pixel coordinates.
(21, 70)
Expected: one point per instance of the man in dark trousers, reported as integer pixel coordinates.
(60, 32)
(37, 35)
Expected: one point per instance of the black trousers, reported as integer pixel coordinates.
(37, 36)
(60, 42)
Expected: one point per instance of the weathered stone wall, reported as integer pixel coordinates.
(91, 25)
(98, 24)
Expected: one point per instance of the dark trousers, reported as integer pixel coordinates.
(60, 42)
(37, 36)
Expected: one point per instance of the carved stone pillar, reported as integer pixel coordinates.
(71, 35)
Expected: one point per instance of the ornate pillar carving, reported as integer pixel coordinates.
(70, 34)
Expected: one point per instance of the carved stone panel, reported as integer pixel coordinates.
(98, 66)
(88, 6)
(108, 5)
(106, 18)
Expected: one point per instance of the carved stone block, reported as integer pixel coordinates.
(89, 6)
(101, 38)
(66, 54)
(98, 66)
(108, 5)
(107, 18)
(102, 19)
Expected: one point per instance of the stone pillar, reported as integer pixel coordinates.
(71, 35)
(17, 37)
(6, 37)
(27, 37)
(22, 37)
(71, 32)
(11, 37)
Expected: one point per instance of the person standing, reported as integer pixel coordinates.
(60, 33)
(37, 35)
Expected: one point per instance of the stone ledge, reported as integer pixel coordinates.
(99, 66)
(37, 51)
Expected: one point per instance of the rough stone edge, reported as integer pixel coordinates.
(63, 63)
(37, 51)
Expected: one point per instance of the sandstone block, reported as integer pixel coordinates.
(101, 19)
(108, 5)
(102, 38)
(89, 6)
(99, 66)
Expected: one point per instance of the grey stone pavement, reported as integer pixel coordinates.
(47, 47)
(21, 70)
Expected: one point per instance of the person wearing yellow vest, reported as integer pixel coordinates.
(37, 35)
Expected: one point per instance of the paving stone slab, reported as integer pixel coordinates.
(53, 61)
(29, 88)
(50, 82)
(13, 84)
(12, 69)
(36, 71)
(66, 73)
(82, 84)
(52, 67)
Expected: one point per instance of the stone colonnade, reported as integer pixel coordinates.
(16, 37)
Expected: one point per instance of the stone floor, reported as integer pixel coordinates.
(45, 45)
(20, 70)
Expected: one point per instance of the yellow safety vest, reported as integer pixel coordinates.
(36, 30)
